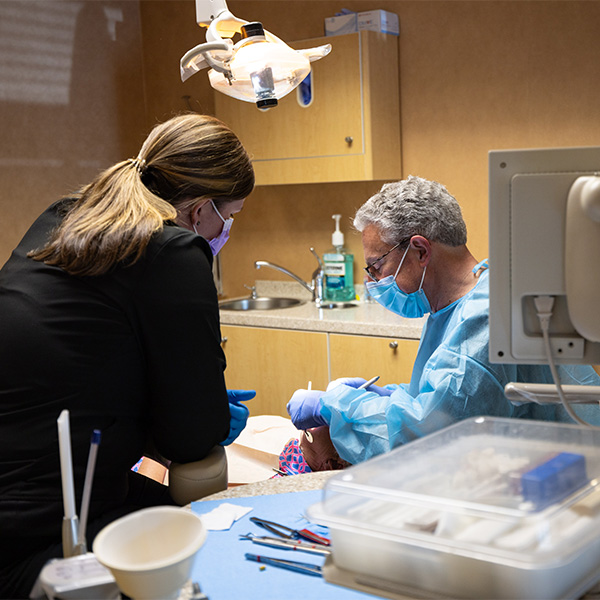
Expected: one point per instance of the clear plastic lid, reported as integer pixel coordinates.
(509, 485)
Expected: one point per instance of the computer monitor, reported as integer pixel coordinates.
(544, 241)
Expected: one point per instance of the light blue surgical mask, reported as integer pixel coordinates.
(390, 296)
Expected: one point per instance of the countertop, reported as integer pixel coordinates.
(363, 318)
(275, 485)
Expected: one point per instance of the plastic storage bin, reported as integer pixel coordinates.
(487, 508)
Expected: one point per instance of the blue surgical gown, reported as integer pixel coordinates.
(452, 380)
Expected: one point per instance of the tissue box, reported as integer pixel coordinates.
(373, 20)
(341, 24)
(379, 20)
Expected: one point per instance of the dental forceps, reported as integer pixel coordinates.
(289, 533)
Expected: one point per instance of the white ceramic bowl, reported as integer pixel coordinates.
(150, 553)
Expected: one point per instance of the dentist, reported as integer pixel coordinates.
(414, 240)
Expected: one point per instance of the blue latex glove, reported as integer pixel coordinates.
(237, 396)
(304, 409)
(356, 382)
(239, 413)
(350, 381)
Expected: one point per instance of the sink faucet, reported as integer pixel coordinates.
(316, 285)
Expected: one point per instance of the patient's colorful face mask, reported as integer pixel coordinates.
(390, 296)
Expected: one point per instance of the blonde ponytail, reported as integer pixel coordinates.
(113, 218)
(111, 222)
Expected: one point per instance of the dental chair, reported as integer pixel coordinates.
(191, 481)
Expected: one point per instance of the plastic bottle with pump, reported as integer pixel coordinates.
(338, 267)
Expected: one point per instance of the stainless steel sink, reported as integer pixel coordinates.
(260, 303)
(333, 305)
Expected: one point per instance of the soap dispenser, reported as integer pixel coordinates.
(338, 267)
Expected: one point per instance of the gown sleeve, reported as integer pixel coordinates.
(455, 381)
(452, 387)
(452, 380)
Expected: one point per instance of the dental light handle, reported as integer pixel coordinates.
(66, 466)
(70, 525)
(70, 536)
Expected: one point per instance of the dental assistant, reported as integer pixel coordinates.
(414, 240)
(108, 308)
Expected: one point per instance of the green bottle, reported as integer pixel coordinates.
(338, 267)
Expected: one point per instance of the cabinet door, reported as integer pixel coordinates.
(349, 132)
(362, 356)
(292, 131)
(275, 363)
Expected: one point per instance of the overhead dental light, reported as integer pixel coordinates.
(259, 68)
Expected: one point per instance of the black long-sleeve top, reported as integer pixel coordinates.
(134, 353)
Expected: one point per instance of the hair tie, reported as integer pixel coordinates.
(139, 163)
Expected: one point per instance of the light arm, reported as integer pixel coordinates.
(259, 68)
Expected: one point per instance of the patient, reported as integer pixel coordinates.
(319, 451)
(313, 451)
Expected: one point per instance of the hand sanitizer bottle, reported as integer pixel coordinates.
(338, 269)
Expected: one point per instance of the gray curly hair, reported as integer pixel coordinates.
(414, 206)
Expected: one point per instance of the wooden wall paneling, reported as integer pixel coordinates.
(362, 356)
(73, 112)
(275, 363)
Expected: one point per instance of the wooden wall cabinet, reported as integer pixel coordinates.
(360, 356)
(277, 362)
(350, 131)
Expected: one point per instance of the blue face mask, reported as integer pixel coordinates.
(390, 296)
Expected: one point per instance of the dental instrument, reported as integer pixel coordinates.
(78, 574)
(289, 533)
(366, 384)
(286, 544)
(87, 487)
(307, 433)
(73, 531)
(290, 565)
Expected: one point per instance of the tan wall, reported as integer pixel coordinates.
(71, 101)
(169, 30)
(474, 76)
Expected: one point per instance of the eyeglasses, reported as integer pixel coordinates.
(375, 264)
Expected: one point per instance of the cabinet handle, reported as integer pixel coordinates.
(223, 340)
(394, 345)
(349, 139)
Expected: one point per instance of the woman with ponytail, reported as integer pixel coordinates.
(108, 309)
